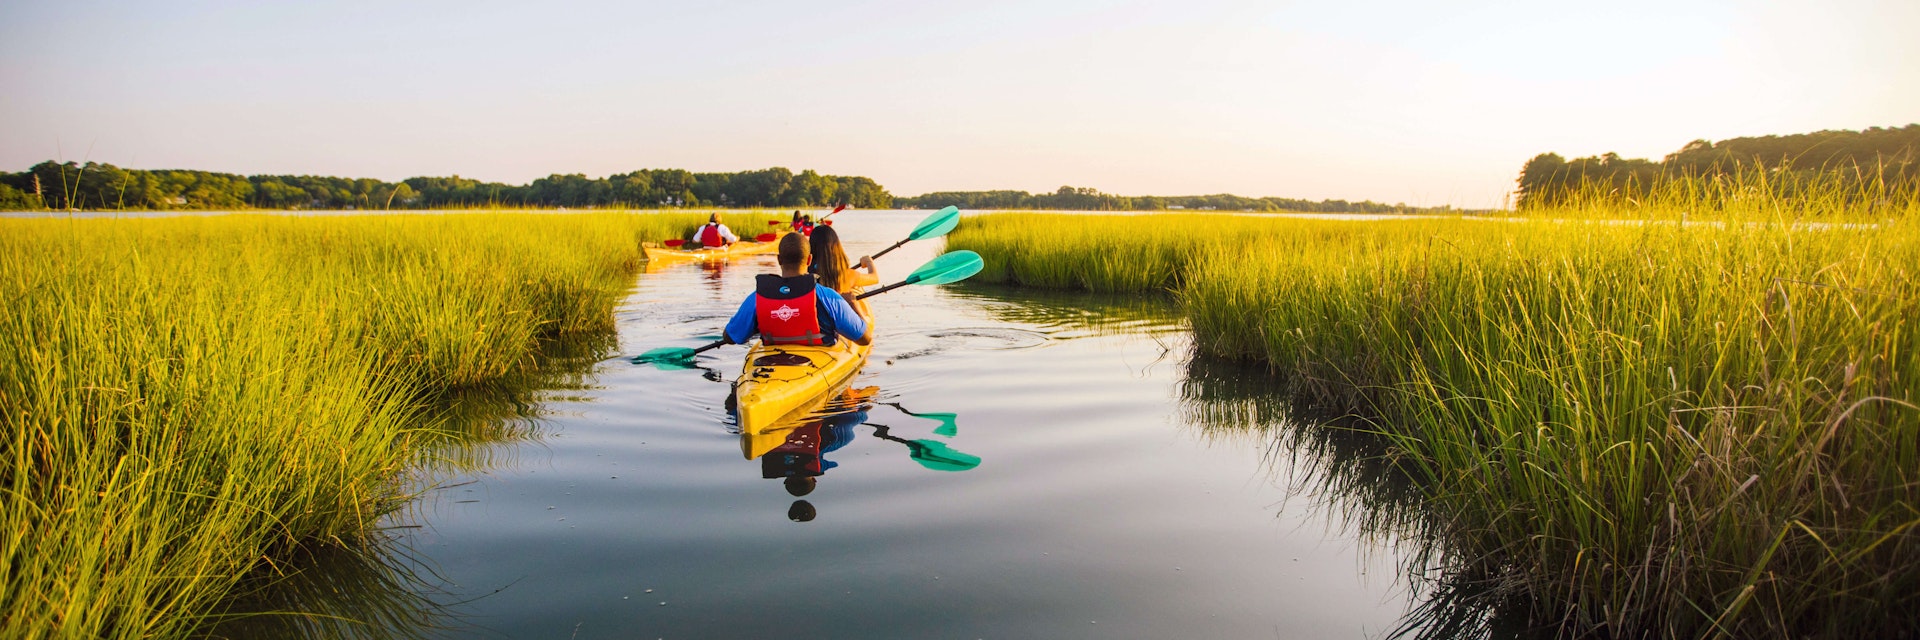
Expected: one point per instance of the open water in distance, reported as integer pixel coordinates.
(1104, 505)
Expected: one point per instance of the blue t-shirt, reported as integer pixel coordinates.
(846, 321)
(836, 432)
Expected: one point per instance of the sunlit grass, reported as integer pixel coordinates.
(185, 398)
(1648, 427)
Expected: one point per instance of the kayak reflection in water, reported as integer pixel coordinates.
(713, 274)
(799, 461)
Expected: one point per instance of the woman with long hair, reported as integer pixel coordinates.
(831, 268)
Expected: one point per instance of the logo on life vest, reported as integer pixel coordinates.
(786, 312)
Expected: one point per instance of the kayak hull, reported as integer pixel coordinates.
(783, 383)
(743, 248)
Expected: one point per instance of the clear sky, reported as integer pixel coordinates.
(1397, 101)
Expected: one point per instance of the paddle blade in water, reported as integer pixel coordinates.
(936, 225)
(766, 237)
(949, 267)
(667, 358)
(674, 243)
(771, 223)
(935, 455)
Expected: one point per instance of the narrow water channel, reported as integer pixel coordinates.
(1119, 492)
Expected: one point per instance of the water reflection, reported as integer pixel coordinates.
(326, 591)
(1354, 477)
(1073, 314)
(378, 587)
(795, 454)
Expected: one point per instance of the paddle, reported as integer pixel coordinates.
(931, 454)
(934, 226)
(764, 237)
(949, 267)
(952, 266)
(948, 426)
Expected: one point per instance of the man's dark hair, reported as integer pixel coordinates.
(793, 250)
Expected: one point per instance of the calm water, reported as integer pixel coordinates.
(1122, 491)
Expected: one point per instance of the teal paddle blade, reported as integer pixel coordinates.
(667, 358)
(936, 225)
(949, 267)
(949, 422)
(948, 425)
(937, 456)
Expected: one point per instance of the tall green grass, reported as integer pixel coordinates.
(1634, 428)
(187, 398)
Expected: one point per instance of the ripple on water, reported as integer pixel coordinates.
(975, 339)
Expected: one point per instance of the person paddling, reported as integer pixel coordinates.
(791, 308)
(831, 267)
(802, 223)
(714, 234)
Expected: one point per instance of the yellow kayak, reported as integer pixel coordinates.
(656, 252)
(779, 382)
(754, 445)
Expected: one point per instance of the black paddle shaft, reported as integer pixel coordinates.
(881, 290)
(896, 245)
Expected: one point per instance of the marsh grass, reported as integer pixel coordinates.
(1630, 425)
(186, 398)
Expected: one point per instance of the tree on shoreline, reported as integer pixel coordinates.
(1876, 159)
(96, 186)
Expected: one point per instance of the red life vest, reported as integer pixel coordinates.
(710, 235)
(787, 311)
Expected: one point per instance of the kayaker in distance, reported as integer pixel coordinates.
(791, 308)
(714, 234)
(802, 224)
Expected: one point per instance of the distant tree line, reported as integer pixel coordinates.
(1084, 199)
(69, 185)
(1877, 158)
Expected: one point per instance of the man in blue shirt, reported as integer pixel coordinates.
(789, 309)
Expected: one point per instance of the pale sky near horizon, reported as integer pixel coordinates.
(1425, 103)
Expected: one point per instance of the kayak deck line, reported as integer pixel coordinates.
(781, 381)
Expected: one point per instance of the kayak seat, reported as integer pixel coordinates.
(781, 359)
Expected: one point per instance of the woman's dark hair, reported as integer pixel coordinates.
(829, 259)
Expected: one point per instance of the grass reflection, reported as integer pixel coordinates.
(377, 588)
(1356, 479)
(1070, 313)
(325, 591)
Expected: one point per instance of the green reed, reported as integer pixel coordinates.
(1633, 424)
(188, 398)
